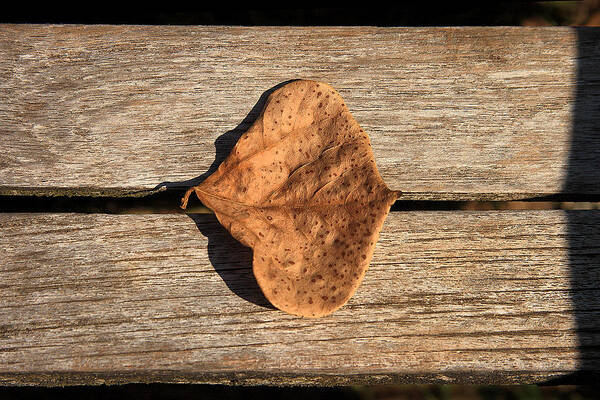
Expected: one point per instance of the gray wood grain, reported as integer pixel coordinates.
(456, 113)
(449, 297)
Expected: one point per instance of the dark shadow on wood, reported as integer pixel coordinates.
(231, 260)
(583, 176)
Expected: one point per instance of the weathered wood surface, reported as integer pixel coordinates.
(450, 297)
(452, 112)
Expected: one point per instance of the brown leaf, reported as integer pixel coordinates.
(301, 188)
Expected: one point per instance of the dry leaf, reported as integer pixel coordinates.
(301, 188)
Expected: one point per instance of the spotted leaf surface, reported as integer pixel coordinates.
(301, 188)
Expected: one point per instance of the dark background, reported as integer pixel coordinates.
(409, 13)
(423, 13)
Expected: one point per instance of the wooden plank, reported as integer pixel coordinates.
(450, 297)
(453, 113)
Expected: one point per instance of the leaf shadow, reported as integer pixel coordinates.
(230, 259)
(225, 142)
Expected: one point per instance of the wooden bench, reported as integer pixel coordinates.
(451, 296)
